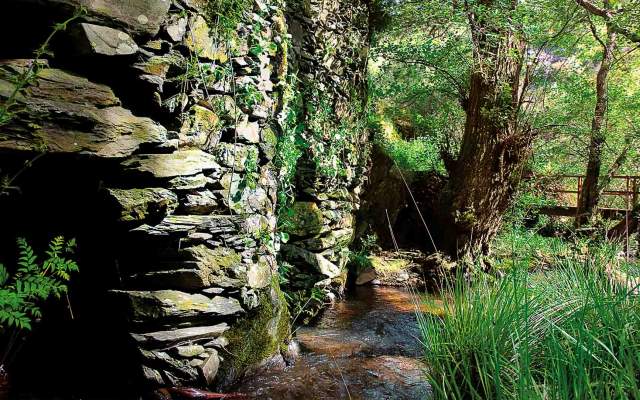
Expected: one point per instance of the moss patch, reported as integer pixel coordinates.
(388, 266)
(258, 336)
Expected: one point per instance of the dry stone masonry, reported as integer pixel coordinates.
(183, 119)
(329, 57)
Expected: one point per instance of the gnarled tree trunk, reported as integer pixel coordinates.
(494, 146)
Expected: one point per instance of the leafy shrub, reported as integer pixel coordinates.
(420, 154)
(22, 292)
(359, 256)
(305, 304)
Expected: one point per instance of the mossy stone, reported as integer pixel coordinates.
(259, 336)
(136, 205)
(200, 42)
(306, 219)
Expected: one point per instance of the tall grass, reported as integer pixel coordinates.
(568, 333)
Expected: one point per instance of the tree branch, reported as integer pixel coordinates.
(593, 9)
(608, 16)
(462, 93)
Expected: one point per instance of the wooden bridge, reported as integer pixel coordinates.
(617, 200)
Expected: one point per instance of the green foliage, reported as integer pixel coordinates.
(526, 206)
(520, 247)
(22, 292)
(363, 249)
(418, 73)
(565, 126)
(225, 15)
(420, 154)
(251, 170)
(421, 62)
(260, 45)
(289, 149)
(332, 140)
(565, 334)
(531, 240)
(284, 269)
(249, 96)
(417, 154)
(305, 304)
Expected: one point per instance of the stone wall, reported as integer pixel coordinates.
(192, 181)
(329, 57)
(178, 120)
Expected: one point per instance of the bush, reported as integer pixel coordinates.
(566, 334)
(420, 154)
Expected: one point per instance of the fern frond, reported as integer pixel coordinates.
(55, 247)
(71, 246)
(4, 275)
(34, 283)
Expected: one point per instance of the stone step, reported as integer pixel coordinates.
(170, 165)
(180, 279)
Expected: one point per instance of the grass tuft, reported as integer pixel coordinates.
(568, 333)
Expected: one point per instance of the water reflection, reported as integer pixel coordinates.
(366, 347)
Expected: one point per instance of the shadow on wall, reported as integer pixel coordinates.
(64, 355)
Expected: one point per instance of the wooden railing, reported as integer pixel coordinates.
(623, 192)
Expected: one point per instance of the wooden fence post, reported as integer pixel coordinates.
(627, 220)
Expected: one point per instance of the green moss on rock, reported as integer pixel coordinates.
(259, 336)
(139, 204)
(305, 219)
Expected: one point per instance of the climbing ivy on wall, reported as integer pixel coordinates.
(333, 140)
(290, 145)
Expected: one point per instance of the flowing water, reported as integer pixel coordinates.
(365, 347)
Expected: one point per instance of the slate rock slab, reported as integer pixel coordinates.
(154, 305)
(93, 39)
(65, 113)
(138, 17)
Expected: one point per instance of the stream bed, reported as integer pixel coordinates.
(364, 347)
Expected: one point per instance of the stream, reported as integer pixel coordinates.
(364, 347)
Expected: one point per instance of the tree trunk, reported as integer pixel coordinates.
(494, 146)
(590, 194)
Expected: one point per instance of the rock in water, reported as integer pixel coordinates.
(210, 367)
(366, 276)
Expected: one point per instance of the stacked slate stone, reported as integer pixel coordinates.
(329, 55)
(193, 181)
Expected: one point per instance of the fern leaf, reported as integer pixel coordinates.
(71, 246)
(4, 275)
